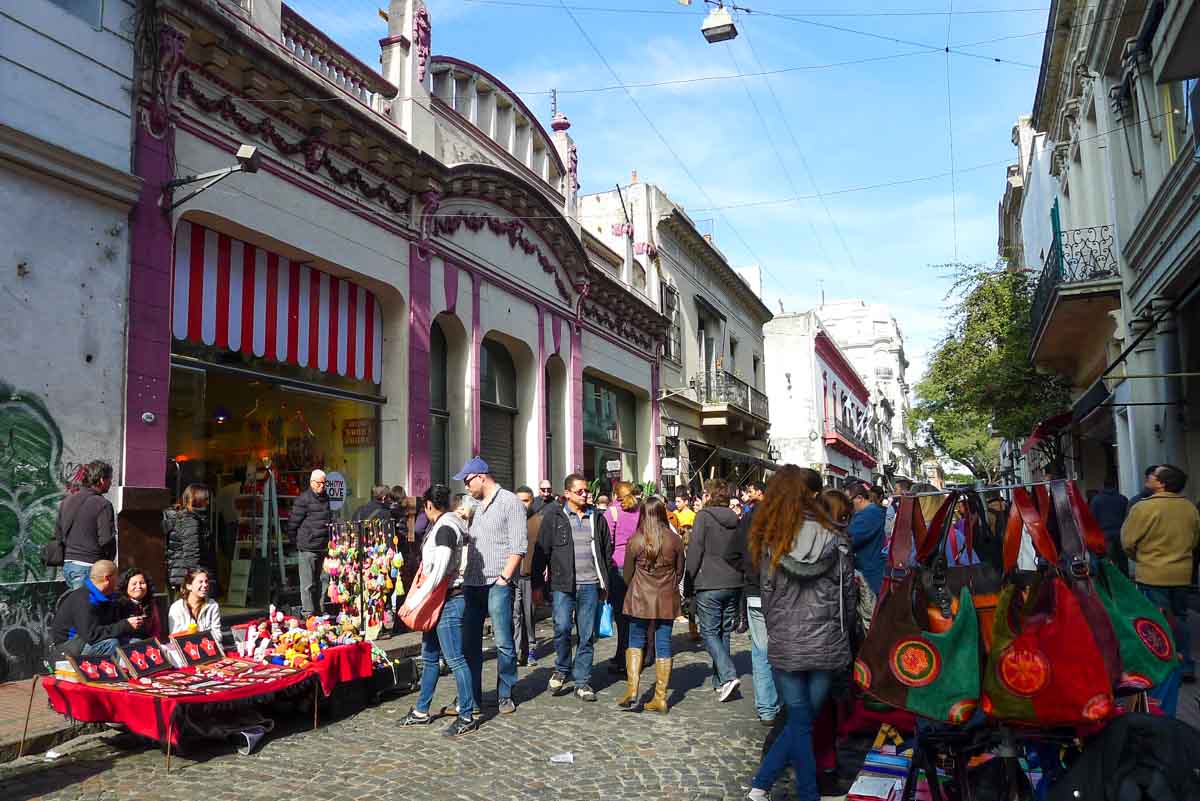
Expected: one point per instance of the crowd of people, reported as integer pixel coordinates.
(795, 564)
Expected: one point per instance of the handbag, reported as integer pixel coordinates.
(604, 625)
(903, 664)
(1147, 647)
(1045, 666)
(425, 616)
(944, 582)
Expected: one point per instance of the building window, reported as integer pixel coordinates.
(439, 407)
(757, 364)
(732, 366)
(1177, 110)
(609, 430)
(90, 11)
(673, 346)
(498, 410)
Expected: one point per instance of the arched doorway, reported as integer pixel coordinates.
(498, 410)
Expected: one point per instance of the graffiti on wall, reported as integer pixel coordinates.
(33, 477)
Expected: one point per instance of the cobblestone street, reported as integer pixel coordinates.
(701, 750)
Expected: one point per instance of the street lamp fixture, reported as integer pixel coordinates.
(718, 24)
(248, 160)
(671, 428)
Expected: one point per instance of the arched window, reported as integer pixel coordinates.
(498, 410)
(439, 406)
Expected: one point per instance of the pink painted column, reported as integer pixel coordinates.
(577, 397)
(655, 423)
(148, 354)
(540, 378)
(476, 346)
(420, 324)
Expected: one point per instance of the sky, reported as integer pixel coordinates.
(748, 156)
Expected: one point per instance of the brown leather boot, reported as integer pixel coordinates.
(633, 674)
(662, 674)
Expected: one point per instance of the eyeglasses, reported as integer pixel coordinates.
(320, 481)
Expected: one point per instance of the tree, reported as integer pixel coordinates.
(981, 384)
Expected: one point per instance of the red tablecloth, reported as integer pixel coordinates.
(148, 715)
(343, 663)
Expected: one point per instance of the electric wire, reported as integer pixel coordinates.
(650, 123)
(803, 158)
(778, 155)
(814, 13)
(950, 132)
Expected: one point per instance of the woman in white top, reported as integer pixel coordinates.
(195, 607)
(442, 559)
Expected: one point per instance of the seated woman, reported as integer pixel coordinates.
(136, 599)
(195, 611)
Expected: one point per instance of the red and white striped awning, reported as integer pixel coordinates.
(232, 295)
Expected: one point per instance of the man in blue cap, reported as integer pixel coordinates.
(498, 534)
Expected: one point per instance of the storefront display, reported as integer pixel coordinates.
(365, 568)
(276, 367)
(609, 433)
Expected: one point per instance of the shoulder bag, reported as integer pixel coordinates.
(929, 673)
(425, 616)
(1045, 666)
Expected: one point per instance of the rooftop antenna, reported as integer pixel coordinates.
(821, 287)
(553, 102)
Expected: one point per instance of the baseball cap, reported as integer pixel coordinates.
(473, 467)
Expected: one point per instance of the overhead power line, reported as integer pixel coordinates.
(669, 12)
(649, 122)
(950, 132)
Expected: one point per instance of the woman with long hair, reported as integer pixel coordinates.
(189, 538)
(837, 503)
(442, 559)
(195, 611)
(809, 599)
(136, 599)
(623, 515)
(653, 570)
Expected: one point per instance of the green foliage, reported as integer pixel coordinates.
(980, 384)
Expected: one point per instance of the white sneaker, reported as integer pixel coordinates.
(756, 794)
(727, 689)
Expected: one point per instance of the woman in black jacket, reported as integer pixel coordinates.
(189, 537)
(809, 601)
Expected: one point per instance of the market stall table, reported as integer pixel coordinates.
(153, 716)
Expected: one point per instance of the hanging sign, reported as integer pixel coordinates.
(613, 467)
(335, 488)
(670, 463)
(358, 432)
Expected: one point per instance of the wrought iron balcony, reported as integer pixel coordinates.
(847, 432)
(1077, 256)
(719, 386)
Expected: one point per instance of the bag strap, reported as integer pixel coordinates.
(1093, 535)
(1025, 515)
(942, 520)
(907, 516)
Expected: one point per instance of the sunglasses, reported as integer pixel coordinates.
(544, 489)
(580, 492)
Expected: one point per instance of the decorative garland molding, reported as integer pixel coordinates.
(313, 148)
(513, 230)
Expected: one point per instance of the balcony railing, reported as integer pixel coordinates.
(848, 433)
(1077, 256)
(315, 49)
(719, 386)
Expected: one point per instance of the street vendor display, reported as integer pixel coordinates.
(1027, 656)
(364, 565)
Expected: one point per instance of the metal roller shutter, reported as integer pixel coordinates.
(496, 443)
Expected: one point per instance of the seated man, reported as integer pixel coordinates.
(88, 621)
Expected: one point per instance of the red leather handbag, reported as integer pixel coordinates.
(1046, 666)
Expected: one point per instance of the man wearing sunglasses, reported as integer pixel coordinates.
(576, 543)
(498, 539)
(545, 496)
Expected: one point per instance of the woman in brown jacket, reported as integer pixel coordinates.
(653, 569)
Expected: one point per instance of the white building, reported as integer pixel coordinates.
(872, 341)
(66, 188)
(712, 369)
(822, 407)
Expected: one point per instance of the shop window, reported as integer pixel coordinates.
(226, 427)
(497, 376)
(609, 430)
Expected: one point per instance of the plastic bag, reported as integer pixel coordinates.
(605, 627)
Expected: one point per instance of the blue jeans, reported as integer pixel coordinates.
(804, 692)
(445, 641)
(639, 627)
(495, 601)
(1174, 601)
(75, 574)
(715, 611)
(575, 610)
(101, 648)
(766, 699)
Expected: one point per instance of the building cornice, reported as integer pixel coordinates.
(38, 157)
(687, 235)
(833, 357)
